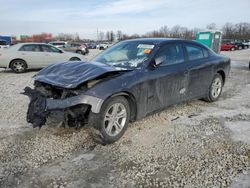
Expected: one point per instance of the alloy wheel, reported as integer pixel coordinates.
(115, 119)
(216, 87)
(18, 66)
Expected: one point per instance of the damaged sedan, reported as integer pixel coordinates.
(128, 81)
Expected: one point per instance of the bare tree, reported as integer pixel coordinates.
(112, 36)
(164, 31)
(108, 35)
(228, 30)
(211, 26)
(101, 36)
(119, 35)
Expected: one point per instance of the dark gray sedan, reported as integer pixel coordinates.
(125, 83)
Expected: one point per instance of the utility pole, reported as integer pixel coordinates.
(97, 37)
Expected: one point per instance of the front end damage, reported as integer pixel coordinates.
(60, 89)
(69, 107)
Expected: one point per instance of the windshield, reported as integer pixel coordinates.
(126, 55)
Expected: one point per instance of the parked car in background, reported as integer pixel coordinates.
(23, 56)
(3, 44)
(104, 45)
(76, 47)
(91, 45)
(125, 83)
(58, 44)
(247, 43)
(228, 47)
(240, 44)
(7, 40)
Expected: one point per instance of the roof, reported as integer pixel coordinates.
(157, 40)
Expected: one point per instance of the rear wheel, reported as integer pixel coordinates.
(18, 66)
(75, 59)
(114, 119)
(215, 88)
(80, 52)
(232, 49)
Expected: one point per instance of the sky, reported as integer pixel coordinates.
(85, 17)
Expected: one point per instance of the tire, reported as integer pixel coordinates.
(240, 47)
(109, 125)
(215, 88)
(79, 52)
(232, 49)
(18, 66)
(75, 59)
(101, 48)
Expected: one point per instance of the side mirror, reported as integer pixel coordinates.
(159, 60)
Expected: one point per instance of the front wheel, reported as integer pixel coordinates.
(114, 119)
(215, 88)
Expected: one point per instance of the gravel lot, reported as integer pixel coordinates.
(196, 144)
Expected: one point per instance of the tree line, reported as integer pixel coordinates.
(239, 31)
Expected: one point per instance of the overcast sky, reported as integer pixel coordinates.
(131, 16)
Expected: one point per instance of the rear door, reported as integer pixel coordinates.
(169, 80)
(32, 54)
(200, 70)
(52, 55)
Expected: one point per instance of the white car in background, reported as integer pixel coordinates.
(103, 46)
(247, 43)
(23, 56)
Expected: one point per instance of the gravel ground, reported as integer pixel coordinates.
(195, 144)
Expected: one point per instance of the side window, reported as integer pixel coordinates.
(45, 48)
(30, 48)
(173, 54)
(54, 49)
(51, 49)
(194, 52)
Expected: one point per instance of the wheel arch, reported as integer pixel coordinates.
(17, 59)
(70, 59)
(223, 75)
(131, 100)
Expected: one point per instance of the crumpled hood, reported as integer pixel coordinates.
(72, 74)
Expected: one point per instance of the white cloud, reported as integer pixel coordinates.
(127, 6)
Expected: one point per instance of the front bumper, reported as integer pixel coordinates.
(59, 104)
(40, 107)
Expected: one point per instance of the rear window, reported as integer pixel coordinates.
(173, 54)
(195, 52)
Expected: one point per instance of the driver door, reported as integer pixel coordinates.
(168, 81)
